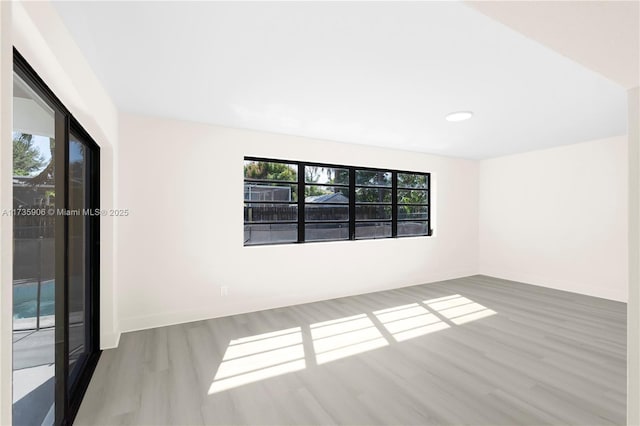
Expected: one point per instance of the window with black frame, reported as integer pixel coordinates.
(293, 201)
(413, 204)
(373, 204)
(270, 202)
(326, 203)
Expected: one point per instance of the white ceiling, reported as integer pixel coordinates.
(602, 35)
(380, 73)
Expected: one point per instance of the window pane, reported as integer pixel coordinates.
(271, 233)
(326, 194)
(408, 196)
(270, 212)
(366, 230)
(409, 180)
(372, 211)
(373, 178)
(270, 171)
(413, 212)
(373, 195)
(34, 268)
(326, 212)
(412, 228)
(328, 175)
(270, 192)
(78, 198)
(326, 231)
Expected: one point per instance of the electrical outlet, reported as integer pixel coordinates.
(224, 290)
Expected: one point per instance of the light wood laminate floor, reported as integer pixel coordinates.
(474, 351)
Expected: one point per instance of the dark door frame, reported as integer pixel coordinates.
(68, 396)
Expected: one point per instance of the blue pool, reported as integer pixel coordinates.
(24, 299)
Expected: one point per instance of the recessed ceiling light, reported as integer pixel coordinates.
(459, 116)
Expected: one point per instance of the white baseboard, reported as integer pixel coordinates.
(553, 283)
(109, 340)
(181, 317)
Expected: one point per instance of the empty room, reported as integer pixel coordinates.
(319, 213)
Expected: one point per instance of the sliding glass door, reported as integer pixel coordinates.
(55, 254)
(34, 238)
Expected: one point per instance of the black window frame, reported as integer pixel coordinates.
(381, 203)
(352, 204)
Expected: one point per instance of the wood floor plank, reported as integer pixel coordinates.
(475, 351)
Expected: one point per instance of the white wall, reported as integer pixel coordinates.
(41, 37)
(558, 218)
(633, 306)
(183, 183)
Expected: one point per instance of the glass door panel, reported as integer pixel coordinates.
(33, 257)
(77, 268)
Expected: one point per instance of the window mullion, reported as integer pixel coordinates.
(352, 203)
(429, 230)
(394, 204)
(301, 207)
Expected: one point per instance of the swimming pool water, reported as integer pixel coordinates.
(24, 299)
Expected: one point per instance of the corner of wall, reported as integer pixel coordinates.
(479, 164)
(110, 340)
(532, 224)
(633, 306)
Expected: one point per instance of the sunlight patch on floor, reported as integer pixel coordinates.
(345, 337)
(459, 309)
(259, 357)
(253, 358)
(409, 321)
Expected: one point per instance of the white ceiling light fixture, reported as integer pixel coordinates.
(459, 116)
